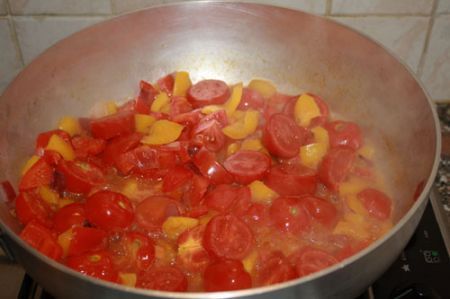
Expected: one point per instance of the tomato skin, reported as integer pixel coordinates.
(120, 145)
(247, 166)
(151, 213)
(97, 264)
(86, 239)
(377, 203)
(40, 174)
(335, 166)
(85, 146)
(291, 180)
(309, 260)
(289, 215)
(210, 168)
(109, 210)
(113, 125)
(42, 239)
(226, 275)
(226, 236)
(282, 136)
(69, 216)
(80, 177)
(343, 133)
(251, 99)
(321, 210)
(179, 105)
(166, 83)
(163, 278)
(29, 206)
(43, 139)
(221, 198)
(198, 188)
(275, 269)
(208, 92)
(176, 178)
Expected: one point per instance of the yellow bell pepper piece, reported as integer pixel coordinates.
(163, 132)
(321, 135)
(130, 188)
(211, 109)
(64, 240)
(352, 186)
(142, 122)
(49, 195)
(70, 124)
(232, 148)
(244, 127)
(111, 107)
(181, 84)
(305, 110)
(174, 226)
(367, 152)
(127, 279)
(261, 193)
(312, 154)
(160, 101)
(235, 98)
(264, 87)
(252, 145)
(353, 225)
(64, 202)
(249, 261)
(356, 205)
(33, 159)
(62, 147)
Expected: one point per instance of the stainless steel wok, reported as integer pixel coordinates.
(234, 42)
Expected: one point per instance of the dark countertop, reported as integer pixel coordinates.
(442, 181)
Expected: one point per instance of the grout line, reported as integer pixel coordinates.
(427, 40)
(328, 7)
(13, 32)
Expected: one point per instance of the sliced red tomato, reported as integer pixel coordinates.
(321, 210)
(208, 92)
(165, 83)
(80, 176)
(251, 99)
(43, 139)
(309, 260)
(226, 236)
(146, 96)
(51, 157)
(192, 256)
(29, 206)
(85, 146)
(242, 203)
(197, 211)
(188, 118)
(257, 213)
(222, 197)
(198, 188)
(40, 174)
(282, 136)
(247, 166)
(289, 215)
(209, 134)
(176, 177)
(113, 125)
(97, 264)
(179, 105)
(343, 133)
(69, 216)
(133, 252)
(377, 203)
(324, 111)
(153, 211)
(86, 239)
(42, 239)
(275, 269)
(208, 166)
(289, 107)
(119, 145)
(8, 190)
(291, 180)
(336, 166)
(226, 275)
(276, 103)
(109, 210)
(163, 278)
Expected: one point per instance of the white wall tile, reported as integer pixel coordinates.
(313, 6)
(36, 34)
(25, 7)
(443, 6)
(2, 7)
(9, 60)
(436, 71)
(405, 36)
(382, 6)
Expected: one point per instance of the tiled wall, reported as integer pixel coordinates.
(418, 31)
